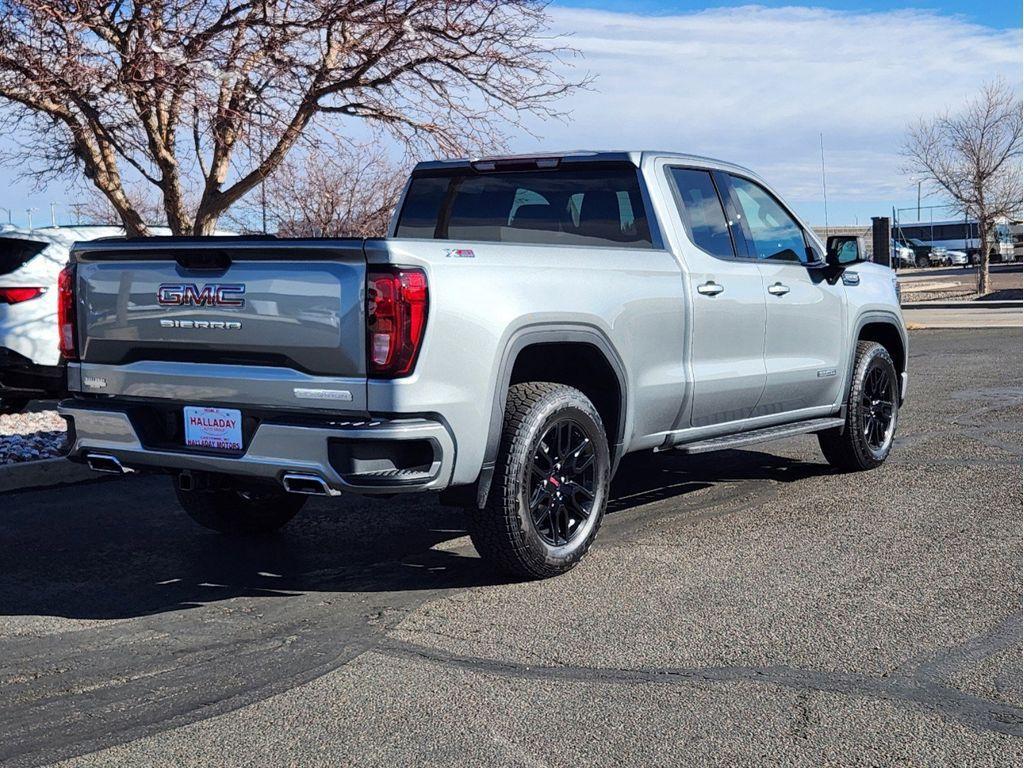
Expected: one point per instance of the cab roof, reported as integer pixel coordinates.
(575, 157)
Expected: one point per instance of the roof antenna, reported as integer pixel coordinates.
(824, 193)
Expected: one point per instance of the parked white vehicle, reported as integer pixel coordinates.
(902, 256)
(30, 260)
(958, 259)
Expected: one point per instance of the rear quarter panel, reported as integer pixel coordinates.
(633, 297)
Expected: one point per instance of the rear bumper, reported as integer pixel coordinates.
(368, 456)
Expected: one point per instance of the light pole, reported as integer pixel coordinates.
(29, 212)
(824, 191)
(53, 215)
(9, 219)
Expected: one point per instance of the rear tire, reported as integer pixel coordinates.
(872, 413)
(550, 483)
(922, 261)
(11, 405)
(240, 511)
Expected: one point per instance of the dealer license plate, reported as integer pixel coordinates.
(219, 428)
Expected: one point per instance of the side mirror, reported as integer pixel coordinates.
(843, 250)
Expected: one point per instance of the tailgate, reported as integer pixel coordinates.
(295, 306)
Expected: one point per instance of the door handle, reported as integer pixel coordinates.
(710, 288)
(778, 289)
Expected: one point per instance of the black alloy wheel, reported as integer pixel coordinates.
(878, 400)
(563, 482)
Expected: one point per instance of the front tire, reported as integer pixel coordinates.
(243, 510)
(922, 261)
(872, 413)
(550, 483)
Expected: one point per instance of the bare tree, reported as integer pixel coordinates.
(95, 208)
(344, 192)
(973, 157)
(203, 99)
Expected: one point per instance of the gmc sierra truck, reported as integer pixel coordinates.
(526, 323)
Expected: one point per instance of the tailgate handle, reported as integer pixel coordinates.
(214, 261)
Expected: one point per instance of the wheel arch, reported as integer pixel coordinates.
(885, 329)
(580, 356)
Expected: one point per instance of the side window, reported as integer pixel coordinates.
(702, 212)
(774, 234)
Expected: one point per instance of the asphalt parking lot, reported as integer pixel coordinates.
(743, 608)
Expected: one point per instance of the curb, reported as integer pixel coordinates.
(43, 474)
(1008, 304)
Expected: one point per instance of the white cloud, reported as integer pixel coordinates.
(757, 85)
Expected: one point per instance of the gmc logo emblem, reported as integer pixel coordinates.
(210, 295)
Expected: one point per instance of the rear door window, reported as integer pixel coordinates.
(15, 253)
(600, 206)
(702, 212)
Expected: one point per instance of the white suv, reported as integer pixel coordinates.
(30, 260)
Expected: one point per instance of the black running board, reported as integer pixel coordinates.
(760, 435)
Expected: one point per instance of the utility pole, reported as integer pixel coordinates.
(919, 201)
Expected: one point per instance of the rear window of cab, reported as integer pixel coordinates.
(594, 206)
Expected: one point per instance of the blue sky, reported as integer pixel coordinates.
(757, 85)
(1000, 14)
(762, 84)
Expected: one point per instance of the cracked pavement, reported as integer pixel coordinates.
(743, 608)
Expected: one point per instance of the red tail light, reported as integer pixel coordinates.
(66, 315)
(396, 316)
(18, 295)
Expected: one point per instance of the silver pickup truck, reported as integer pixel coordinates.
(526, 323)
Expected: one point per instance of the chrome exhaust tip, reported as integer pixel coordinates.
(307, 485)
(111, 465)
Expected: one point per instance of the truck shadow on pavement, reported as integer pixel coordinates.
(121, 548)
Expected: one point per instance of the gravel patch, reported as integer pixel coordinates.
(31, 436)
(958, 294)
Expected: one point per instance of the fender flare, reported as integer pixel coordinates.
(868, 318)
(547, 333)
